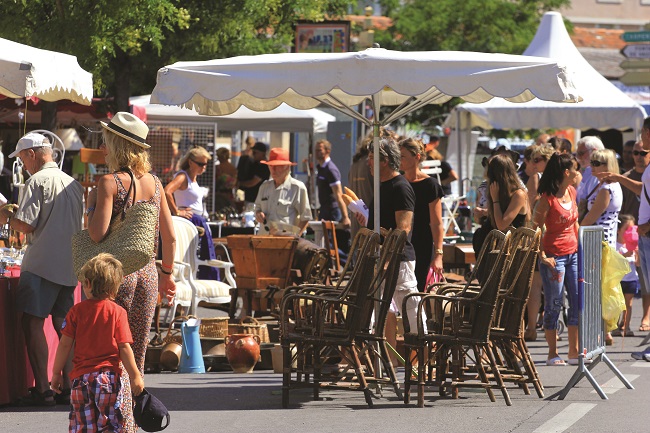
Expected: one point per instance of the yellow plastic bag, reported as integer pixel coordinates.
(614, 268)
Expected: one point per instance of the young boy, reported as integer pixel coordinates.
(99, 329)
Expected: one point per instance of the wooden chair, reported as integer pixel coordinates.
(507, 333)
(320, 331)
(460, 323)
(330, 244)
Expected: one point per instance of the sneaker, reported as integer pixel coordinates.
(641, 356)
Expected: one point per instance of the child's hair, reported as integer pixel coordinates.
(624, 218)
(104, 273)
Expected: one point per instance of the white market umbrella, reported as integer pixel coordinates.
(27, 71)
(408, 80)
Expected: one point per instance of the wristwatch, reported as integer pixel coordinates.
(439, 252)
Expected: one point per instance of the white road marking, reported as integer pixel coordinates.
(614, 384)
(640, 364)
(565, 419)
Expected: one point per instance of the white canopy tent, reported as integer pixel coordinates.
(27, 71)
(283, 118)
(408, 80)
(603, 106)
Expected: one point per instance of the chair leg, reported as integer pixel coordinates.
(481, 372)
(529, 366)
(286, 373)
(421, 378)
(388, 366)
(497, 377)
(408, 374)
(363, 384)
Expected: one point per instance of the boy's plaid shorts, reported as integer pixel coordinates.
(94, 401)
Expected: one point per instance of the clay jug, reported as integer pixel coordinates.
(242, 352)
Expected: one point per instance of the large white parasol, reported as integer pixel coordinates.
(407, 80)
(27, 71)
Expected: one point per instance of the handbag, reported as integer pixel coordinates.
(582, 205)
(130, 238)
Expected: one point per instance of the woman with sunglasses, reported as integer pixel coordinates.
(185, 199)
(604, 204)
(558, 264)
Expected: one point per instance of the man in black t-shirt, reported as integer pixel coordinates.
(330, 189)
(251, 172)
(397, 203)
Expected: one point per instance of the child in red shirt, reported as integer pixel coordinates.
(100, 329)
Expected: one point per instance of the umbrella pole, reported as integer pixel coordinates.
(375, 145)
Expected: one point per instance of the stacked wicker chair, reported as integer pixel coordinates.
(507, 333)
(339, 324)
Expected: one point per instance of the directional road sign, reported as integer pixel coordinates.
(636, 36)
(636, 51)
(636, 64)
(636, 78)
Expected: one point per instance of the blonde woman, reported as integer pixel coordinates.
(185, 199)
(125, 149)
(605, 202)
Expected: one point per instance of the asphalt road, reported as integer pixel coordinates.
(228, 402)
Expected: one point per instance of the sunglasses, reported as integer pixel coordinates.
(595, 163)
(200, 164)
(643, 153)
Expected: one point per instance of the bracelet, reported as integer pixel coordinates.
(165, 272)
(90, 209)
(168, 267)
(439, 252)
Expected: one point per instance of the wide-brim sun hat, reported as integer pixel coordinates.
(279, 156)
(129, 127)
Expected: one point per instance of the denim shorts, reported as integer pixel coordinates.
(554, 287)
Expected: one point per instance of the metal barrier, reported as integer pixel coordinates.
(591, 328)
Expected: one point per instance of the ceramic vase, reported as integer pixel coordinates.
(242, 352)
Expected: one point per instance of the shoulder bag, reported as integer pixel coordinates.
(130, 238)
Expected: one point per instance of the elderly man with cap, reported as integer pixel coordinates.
(50, 212)
(251, 172)
(282, 204)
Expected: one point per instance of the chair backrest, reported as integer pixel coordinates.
(330, 243)
(187, 238)
(485, 261)
(384, 282)
(359, 287)
(484, 304)
(517, 281)
(431, 166)
(357, 250)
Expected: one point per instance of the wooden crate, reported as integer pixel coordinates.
(261, 261)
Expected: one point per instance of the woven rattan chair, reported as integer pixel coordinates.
(326, 321)
(460, 323)
(507, 333)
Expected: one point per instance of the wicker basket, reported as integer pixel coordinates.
(216, 327)
(250, 325)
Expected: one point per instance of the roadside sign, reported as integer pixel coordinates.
(636, 78)
(635, 64)
(636, 51)
(636, 36)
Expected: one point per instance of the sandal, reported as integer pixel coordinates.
(64, 397)
(645, 327)
(620, 333)
(554, 362)
(35, 398)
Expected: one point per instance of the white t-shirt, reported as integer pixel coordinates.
(632, 275)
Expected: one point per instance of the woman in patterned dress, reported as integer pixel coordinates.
(125, 149)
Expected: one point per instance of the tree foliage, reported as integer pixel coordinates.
(489, 26)
(123, 43)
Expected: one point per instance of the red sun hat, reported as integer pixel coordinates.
(278, 156)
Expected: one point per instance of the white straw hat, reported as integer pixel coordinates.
(130, 127)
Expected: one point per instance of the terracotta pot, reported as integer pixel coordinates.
(242, 352)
